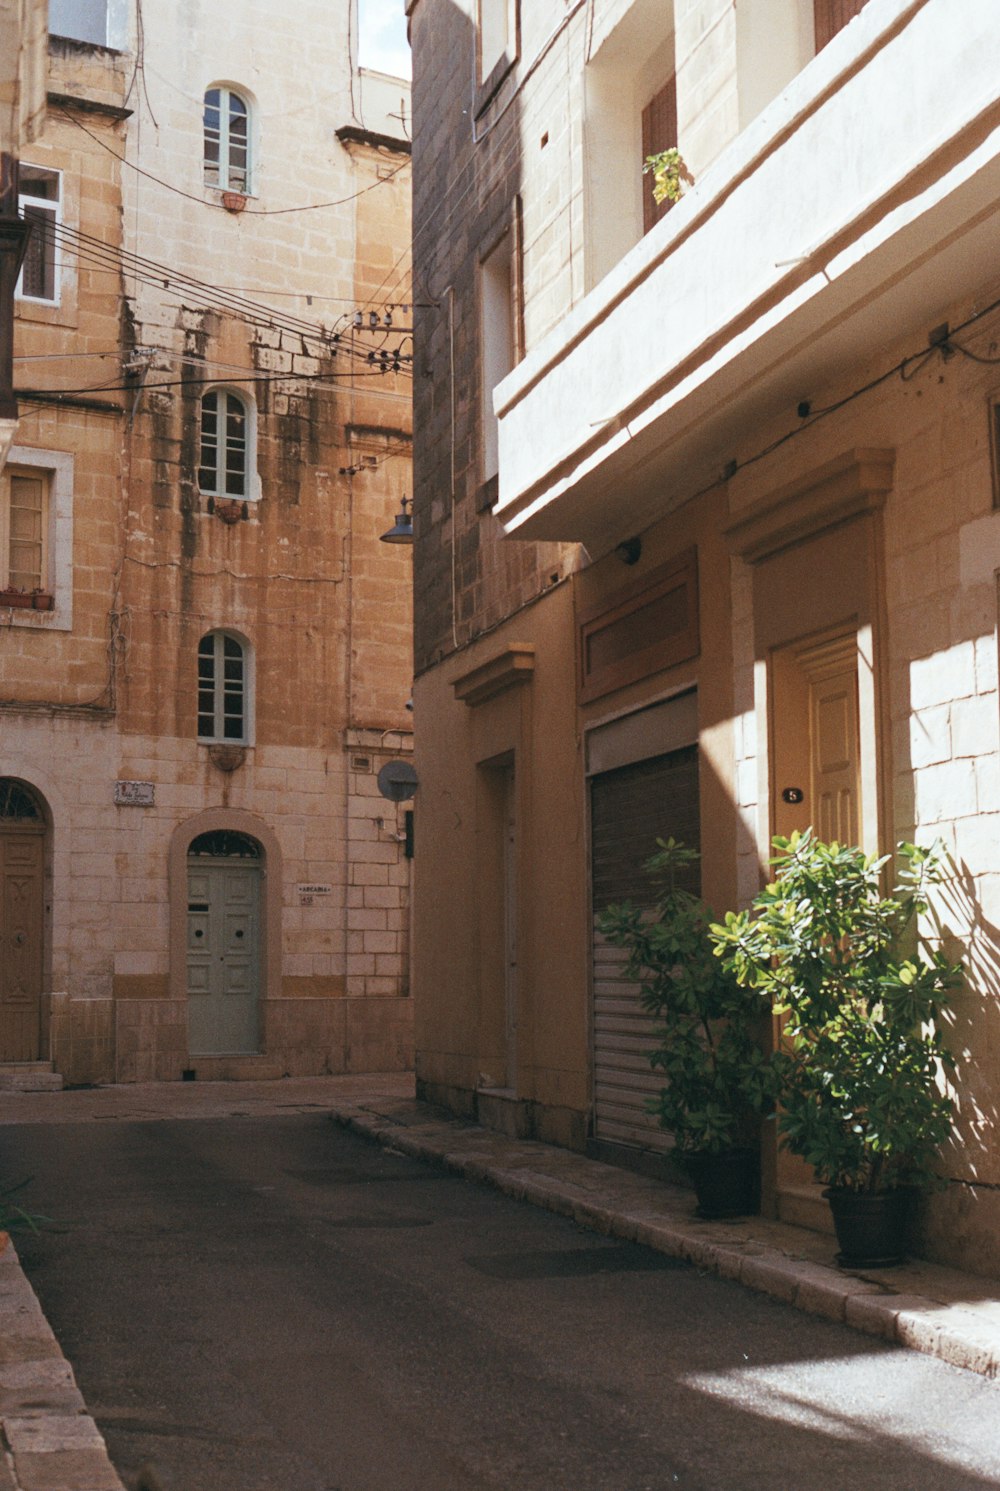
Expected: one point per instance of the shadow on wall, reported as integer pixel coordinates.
(969, 937)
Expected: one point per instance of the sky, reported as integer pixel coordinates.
(382, 40)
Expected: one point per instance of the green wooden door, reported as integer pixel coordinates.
(223, 957)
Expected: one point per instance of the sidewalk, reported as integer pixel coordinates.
(939, 1311)
(49, 1443)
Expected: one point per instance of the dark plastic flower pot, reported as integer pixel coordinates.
(726, 1185)
(872, 1228)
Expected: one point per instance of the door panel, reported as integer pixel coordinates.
(21, 922)
(835, 764)
(223, 965)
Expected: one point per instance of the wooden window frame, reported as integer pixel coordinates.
(212, 680)
(509, 232)
(678, 647)
(32, 473)
(215, 470)
(487, 87)
(230, 179)
(38, 211)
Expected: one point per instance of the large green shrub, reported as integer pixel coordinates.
(862, 1056)
(718, 1079)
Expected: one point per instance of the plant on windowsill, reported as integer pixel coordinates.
(11, 596)
(719, 1080)
(670, 175)
(42, 600)
(863, 1061)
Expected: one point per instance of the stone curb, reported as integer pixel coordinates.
(48, 1442)
(964, 1332)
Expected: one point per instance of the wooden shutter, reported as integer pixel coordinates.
(630, 809)
(831, 16)
(659, 132)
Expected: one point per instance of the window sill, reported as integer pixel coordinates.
(488, 494)
(488, 89)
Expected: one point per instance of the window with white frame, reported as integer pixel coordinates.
(223, 689)
(36, 538)
(498, 304)
(226, 462)
(24, 525)
(227, 140)
(498, 35)
(39, 201)
(80, 20)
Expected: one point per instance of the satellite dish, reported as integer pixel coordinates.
(397, 781)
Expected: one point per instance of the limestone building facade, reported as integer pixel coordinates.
(706, 520)
(214, 661)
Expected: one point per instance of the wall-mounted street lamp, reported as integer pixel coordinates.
(401, 531)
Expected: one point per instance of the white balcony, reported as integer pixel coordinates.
(864, 200)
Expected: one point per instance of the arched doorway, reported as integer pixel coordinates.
(223, 943)
(22, 920)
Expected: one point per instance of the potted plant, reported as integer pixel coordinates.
(862, 1058)
(718, 1079)
(12, 596)
(670, 175)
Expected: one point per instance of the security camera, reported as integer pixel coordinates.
(409, 705)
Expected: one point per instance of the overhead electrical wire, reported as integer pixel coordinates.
(322, 379)
(96, 254)
(247, 211)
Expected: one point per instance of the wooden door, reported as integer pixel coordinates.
(815, 740)
(815, 783)
(21, 923)
(223, 958)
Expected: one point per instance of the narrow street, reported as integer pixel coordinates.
(263, 1302)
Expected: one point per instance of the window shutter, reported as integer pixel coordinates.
(659, 132)
(831, 16)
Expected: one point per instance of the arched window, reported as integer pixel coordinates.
(227, 140)
(226, 460)
(226, 844)
(223, 689)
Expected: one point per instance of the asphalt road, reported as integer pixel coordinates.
(271, 1304)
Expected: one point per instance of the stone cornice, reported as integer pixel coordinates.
(853, 483)
(353, 134)
(514, 665)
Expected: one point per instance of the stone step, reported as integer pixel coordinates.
(804, 1206)
(29, 1076)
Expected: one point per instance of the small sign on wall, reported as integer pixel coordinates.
(134, 794)
(309, 893)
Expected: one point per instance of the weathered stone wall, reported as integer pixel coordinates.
(302, 577)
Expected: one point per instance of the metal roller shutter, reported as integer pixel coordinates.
(630, 809)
